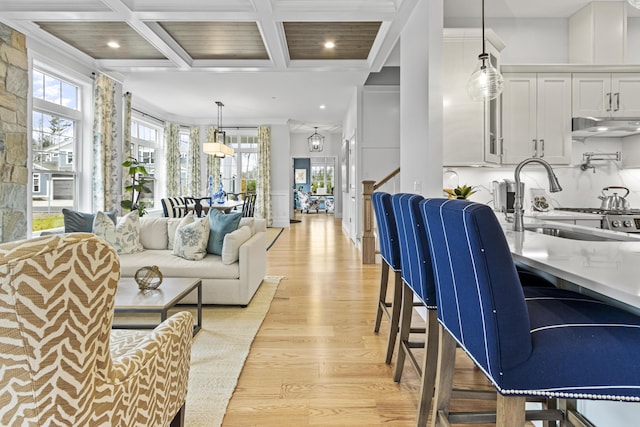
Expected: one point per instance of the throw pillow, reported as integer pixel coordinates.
(81, 222)
(124, 237)
(249, 222)
(232, 243)
(220, 225)
(191, 239)
(153, 233)
(172, 226)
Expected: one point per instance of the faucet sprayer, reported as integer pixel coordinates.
(554, 187)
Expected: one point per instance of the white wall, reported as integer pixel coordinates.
(280, 188)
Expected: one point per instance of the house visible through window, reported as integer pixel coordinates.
(55, 139)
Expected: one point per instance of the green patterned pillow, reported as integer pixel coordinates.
(124, 237)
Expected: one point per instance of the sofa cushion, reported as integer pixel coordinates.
(232, 243)
(248, 222)
(154, 233)
(220, 224)
(211, 267)
(82, 222)
(124, 237)
(192, 236)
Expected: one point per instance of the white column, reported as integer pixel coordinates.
(421, 100)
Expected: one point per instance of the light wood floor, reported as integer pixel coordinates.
(316, 360)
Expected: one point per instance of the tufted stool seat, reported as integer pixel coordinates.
(551, 343)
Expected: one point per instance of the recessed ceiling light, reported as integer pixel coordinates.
(113, 44)
(329, 45)
(602, 129)
(322, 107)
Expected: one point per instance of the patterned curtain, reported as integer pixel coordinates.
(213, 162)
(172, 150)
(194, 182)
(126, 126)
(263, 184)
(107, 191)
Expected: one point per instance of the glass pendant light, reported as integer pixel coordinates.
(486, 82)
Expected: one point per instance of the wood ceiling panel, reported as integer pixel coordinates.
(218, 40)
(353, 40)
(92, 38)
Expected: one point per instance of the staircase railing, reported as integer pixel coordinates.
(368, 236)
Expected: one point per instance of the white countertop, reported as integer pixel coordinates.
(560, 215)
(610, 269)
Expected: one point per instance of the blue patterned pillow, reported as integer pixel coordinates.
(192, 236)
(124, 237)
(220, 225)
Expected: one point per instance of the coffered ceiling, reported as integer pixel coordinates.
(265, 59)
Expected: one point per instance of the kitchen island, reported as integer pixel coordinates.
(609, 270)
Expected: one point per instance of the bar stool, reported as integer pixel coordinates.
(554, 345)
(417, 279)
(390, 254)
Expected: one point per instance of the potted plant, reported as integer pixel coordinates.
(460, 192)
(137, 173)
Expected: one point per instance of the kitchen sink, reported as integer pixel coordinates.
(577, 235)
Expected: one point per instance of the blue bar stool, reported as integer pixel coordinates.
(390, 254)
(417, 279)
(552, 344)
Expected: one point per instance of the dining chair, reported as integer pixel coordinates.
(390, 256)
(551, 344)
(249, 205)
(418, 281)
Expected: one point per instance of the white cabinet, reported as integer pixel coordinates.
(536, 117)
(469, 127)
(606, 95)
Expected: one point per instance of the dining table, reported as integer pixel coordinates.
(225, 207)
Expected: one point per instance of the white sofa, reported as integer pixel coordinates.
(233, 284)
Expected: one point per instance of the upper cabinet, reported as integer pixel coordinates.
(606, 95)
(536, 117)
(469, 127)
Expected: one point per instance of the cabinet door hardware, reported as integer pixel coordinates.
(542, 148)
(617, 95)
(535, 147)
(609, 101)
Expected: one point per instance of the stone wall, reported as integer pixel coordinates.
(14, 175)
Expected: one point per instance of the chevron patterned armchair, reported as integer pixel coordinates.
(61, 364)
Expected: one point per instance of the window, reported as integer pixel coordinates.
(55, 141)
(240, 173)
(145, 143)
(322, 175)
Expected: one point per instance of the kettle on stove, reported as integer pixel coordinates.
(614, 202)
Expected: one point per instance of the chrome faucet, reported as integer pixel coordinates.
(518, 209)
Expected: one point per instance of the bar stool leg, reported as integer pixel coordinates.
(395, 315)
(510, 411)
(405, 328)
(382, 297)
(444, 378)
(429, 367)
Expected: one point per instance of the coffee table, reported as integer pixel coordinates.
(129, 299)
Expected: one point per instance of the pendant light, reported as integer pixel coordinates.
(218, 148)
(486, 82)
(634, 3)
(316, 141)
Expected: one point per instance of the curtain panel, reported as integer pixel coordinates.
(107, 183)
(263, 185)
(126, 126)
(194, 180)
(172, 150)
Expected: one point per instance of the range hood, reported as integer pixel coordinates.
(585, 127)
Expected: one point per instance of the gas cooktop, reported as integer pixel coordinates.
(598, 211)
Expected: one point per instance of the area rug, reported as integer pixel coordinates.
(219, 352)
(272, 235)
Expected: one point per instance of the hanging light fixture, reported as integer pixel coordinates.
(218, 148)
(634, 3)
(486, 82)
(316, 141)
